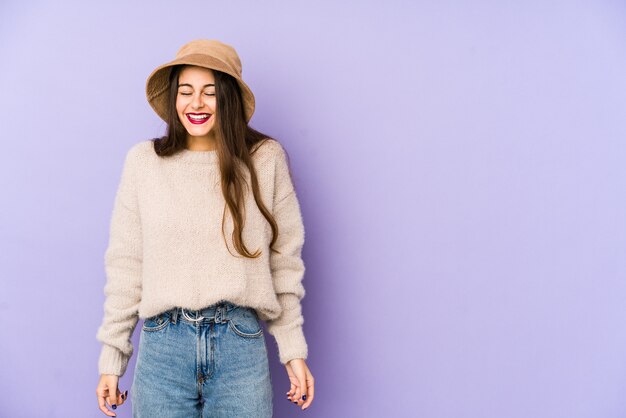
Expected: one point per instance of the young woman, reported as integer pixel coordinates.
(205, 241)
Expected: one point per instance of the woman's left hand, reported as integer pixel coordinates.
(302, 383)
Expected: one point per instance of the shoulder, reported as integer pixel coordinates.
(137, 155)
(269, 150)
(139, 152)
(141, 149)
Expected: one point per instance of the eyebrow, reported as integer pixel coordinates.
(189, 85)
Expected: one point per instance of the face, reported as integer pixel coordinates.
(196, 102)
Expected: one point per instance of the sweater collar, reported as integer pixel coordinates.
(202, 157)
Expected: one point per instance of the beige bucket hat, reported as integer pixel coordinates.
(207, 53)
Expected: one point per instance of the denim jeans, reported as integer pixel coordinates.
(207, 363)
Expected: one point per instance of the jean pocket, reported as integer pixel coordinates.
(157, 322)
(245, 323)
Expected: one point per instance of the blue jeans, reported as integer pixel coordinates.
(207, 363)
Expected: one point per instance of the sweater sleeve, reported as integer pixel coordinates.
(123, 265)
(288, 267)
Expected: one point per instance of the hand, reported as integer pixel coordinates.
(302, 383)
(108, 391)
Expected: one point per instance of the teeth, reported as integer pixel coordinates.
(198, 117)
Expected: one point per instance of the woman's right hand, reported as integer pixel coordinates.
(107, 391)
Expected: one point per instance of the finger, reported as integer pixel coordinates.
(120, 398)
(112, 398)
(292, 391)
(310, 385)
(301, 390)
(295, 394)
(102, 405)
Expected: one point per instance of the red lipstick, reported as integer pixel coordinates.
(199, 118)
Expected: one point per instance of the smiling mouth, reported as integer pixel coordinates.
(198, 118)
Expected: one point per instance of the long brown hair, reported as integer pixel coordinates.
(235, 139)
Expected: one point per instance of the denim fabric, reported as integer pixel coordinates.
(215, 366)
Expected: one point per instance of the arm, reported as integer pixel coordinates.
(288, 267)
(123, 263)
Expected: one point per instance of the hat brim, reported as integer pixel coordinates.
(157, 85)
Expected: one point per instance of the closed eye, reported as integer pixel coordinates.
(189, 94)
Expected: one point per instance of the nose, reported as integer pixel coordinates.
(197, 101)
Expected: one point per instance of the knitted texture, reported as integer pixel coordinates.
(166, 248)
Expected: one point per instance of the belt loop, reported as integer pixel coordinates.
(225, 312)
(219, 314)
(174, 315)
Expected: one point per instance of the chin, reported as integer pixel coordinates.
(196, 133)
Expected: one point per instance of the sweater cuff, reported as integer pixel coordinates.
(112, 361)
(291, 343)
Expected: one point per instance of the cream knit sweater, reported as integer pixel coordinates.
(166, 248)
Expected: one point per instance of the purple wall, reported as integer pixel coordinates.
(461, 167)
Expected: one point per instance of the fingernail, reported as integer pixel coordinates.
(114, 406)
(304, 397)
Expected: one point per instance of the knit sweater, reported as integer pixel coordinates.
(166, 248)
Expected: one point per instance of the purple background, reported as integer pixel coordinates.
(461, 168)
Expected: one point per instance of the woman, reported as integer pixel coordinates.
(205, 240)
